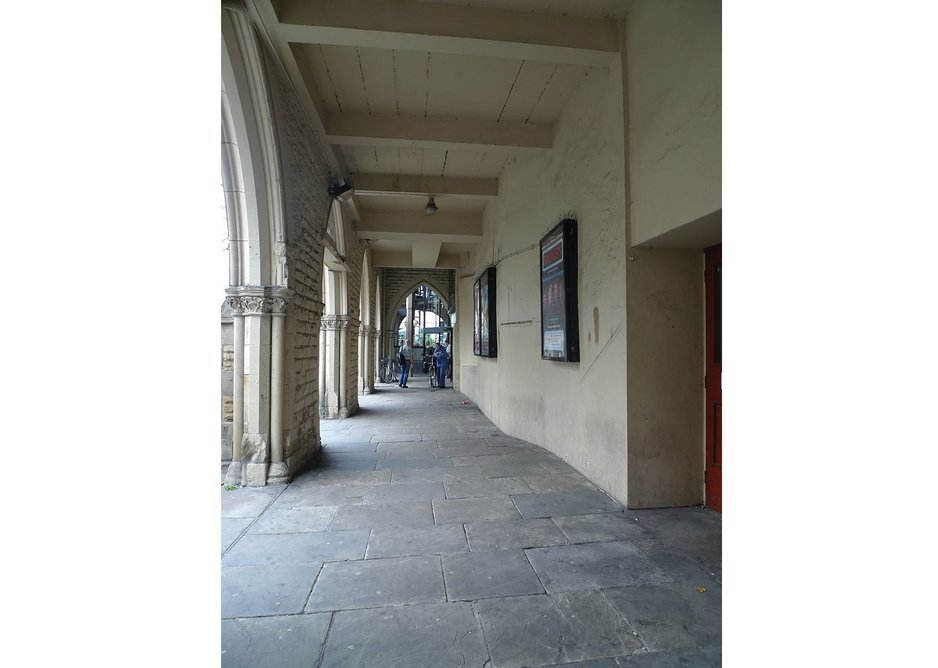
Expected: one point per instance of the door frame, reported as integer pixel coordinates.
(713, 368)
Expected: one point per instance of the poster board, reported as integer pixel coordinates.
(486, 328)
(476, 325)
(560, 327)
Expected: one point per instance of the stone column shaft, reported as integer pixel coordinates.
(233, 475)
(278, 470)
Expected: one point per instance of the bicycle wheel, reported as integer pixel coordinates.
(383, 373)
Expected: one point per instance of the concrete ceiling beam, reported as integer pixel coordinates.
(415, 184)
(401, 259)
(413, 226)
(418, 132)
(456, 29)
(425, 253)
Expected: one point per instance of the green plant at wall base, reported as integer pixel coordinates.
(230, 487)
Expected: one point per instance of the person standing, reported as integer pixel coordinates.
(449, 361)
(442, 360)
(406, 359)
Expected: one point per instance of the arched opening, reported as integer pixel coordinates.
(422, 317)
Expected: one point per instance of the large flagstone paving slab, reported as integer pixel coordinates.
(441, 473)
(378, 582)
(448, 511)
(464, 489)
(231, 528)
(601, 527)
(558, 482)
(296, 548)
(508, 534)
(475, 575)
(430, 635)
(248, 501)
(404, 492)
(558, 504)
(400, 542)
(251, 591)
(672, 615)
(285, 642)
(373, 515)
(593, 566)
(553, 629)
(295, 520)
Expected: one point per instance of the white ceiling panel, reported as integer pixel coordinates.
(378, 71)
(469, 87)
(410, 74)
(318, 80)
(345, 73)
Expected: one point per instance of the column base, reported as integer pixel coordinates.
(278, 474)
(233, 476)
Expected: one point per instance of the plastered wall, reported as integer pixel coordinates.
(629, 414)
(665, 378)
(575, 410)
(675, 113)
(674, 98)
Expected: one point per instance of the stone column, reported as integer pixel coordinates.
(279, 472)
(233, 475)
(253, 390)
(366, 344)
(335, 338)
(349, 338)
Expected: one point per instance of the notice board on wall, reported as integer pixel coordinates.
(560, 326)
(485, 331)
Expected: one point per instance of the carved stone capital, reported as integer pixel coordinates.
(367, 330)
(258, 300)
(337, 323)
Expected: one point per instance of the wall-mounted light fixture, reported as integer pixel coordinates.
(431, 206)
(341, 191)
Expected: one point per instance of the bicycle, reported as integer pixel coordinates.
(389, 371)
(432, 373)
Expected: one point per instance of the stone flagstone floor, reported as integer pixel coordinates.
(425, 537)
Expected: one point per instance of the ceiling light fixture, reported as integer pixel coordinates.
(341, 192)
(431, 206)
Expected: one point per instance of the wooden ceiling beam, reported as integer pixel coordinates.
(415, 184)
(418, 132)
(456, 29)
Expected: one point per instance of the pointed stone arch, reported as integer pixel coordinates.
(401, 297)
(258, 276)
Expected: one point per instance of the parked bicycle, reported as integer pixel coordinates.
(389, 370)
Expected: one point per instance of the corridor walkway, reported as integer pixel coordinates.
(425, 537)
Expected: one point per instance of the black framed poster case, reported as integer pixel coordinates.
(485, 311)
(560, 325)
(476, 321)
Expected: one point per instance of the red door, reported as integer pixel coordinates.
(713, 471)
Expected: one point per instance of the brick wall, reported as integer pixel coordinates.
(305, 176)
(399, 280)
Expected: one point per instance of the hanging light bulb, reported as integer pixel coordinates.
(431, 206)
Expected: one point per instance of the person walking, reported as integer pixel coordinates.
(442, 360)
(406, 359)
